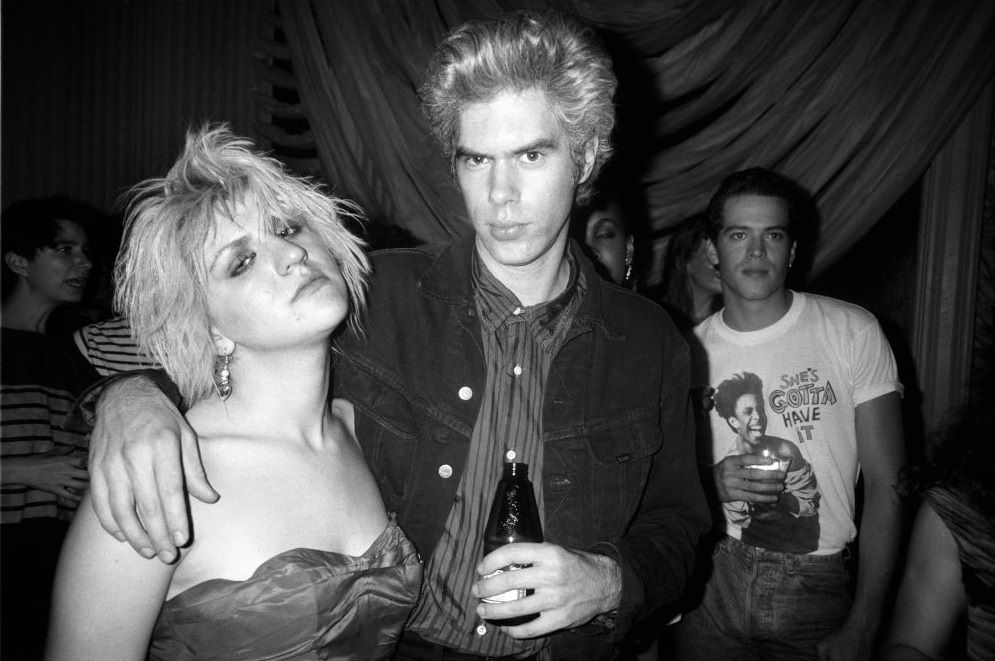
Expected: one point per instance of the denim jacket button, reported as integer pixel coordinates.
(445, 471)
(465, 393)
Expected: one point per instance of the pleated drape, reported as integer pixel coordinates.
(358, 66)
(851, 98)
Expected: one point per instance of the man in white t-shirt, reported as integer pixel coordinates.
(812, 379)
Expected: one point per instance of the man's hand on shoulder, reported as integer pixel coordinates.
(140, 448)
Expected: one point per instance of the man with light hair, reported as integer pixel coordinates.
(504, 345)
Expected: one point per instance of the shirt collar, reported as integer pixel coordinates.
(496, 304)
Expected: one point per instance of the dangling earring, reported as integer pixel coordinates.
(222, 372)
(630, 250)
(224, 348)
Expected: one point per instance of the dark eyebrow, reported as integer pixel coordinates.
(539, 144)
(463, 152)
(237, 243)
(542, 144)
(768, 228)
(63, 241)
(606, 221)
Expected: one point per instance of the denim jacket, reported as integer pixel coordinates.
(619, 474)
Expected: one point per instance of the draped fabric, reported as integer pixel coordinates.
(851, 98)
(358, 66)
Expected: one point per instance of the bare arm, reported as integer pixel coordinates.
(140, 451)
(881, 450)
(106, 599)
(931, 597)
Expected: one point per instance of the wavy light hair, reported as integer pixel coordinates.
(517, 52)
(160, 273)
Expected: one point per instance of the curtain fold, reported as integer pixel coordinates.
(358, 66)
(853, 103)
(851, 98)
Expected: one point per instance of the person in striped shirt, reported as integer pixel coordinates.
(45, 267)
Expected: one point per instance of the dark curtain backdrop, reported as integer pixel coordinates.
(851, 98)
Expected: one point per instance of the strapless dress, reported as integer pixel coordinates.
(301, 604)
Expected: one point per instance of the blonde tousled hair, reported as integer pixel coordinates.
(160, 272)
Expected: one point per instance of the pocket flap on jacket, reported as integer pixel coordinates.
(632, 436)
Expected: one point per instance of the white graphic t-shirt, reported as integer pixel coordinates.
(789, 391)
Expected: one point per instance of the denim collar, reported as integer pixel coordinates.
(450, 278)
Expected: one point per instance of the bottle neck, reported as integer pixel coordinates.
(516, 470)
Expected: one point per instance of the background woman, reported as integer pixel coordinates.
(608, 235)
(45, 268)
(691, 285)
(234, 276)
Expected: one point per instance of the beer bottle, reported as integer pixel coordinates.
(514, 517)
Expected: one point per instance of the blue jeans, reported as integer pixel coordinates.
(761, 604)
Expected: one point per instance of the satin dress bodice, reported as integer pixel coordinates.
(302, 604)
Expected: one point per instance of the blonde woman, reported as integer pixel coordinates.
(234, 276)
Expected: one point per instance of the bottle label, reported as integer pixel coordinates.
(510, 595)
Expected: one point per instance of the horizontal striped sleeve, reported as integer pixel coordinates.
(110, 348)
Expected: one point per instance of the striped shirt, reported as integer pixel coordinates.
(39, 379)
(110, 348)
(519, 345)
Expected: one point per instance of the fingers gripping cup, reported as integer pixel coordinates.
(778, 463)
